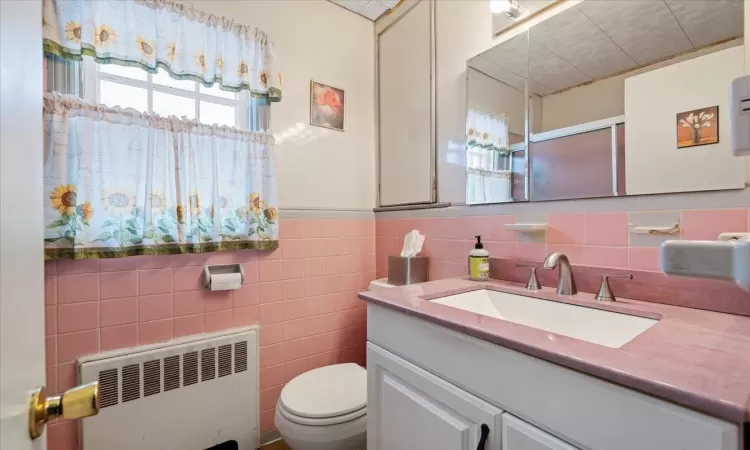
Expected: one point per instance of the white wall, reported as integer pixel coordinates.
(488, 94)
(316, 39)
(653, 162)
(599, 100)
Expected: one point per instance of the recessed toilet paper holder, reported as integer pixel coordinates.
(222, 269)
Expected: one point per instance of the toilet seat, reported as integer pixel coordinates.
(325, 396)
(320, 422)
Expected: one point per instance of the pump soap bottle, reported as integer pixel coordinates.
(479, 262)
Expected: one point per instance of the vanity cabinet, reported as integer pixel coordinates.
(409, 408)
(431, 387)
(519, 435)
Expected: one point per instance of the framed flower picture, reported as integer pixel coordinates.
(326, 106)
(698, 127)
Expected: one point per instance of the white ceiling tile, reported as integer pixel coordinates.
(596, 39)
(645, 29)
(353, 5)
(373, 9)
(512, 54)
(708, 21)
(499, 73)
(389, 3)
(552, 71)
(573, 37)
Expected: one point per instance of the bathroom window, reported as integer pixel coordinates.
(159, 93)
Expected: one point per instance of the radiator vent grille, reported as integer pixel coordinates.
(131, 382)
(109, 391)
(144, 391)
(208, 364)
(171, 372)
(189, 368)
(225, 360)
(240, 357)
(151, 377)
(110, 384)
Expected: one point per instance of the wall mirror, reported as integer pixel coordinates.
(624, 97)
(496, 128)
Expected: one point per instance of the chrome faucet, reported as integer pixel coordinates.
(566, 285)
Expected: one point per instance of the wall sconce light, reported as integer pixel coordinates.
(510, 8)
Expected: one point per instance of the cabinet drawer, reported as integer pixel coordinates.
(519, 435)
(410, 408)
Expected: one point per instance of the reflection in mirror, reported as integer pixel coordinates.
(508, 13)
(607, 81)
(496, 124)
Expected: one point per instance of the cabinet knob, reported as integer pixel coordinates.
(75, 403)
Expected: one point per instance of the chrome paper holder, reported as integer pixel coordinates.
(220, 269)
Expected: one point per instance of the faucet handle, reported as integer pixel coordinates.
(605, 292)
(533, 283)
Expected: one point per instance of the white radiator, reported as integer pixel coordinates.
(189, 394)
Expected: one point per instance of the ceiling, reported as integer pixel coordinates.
(597, 39)
(372, 9)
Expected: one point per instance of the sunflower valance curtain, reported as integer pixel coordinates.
(119, 182)
(187, 43)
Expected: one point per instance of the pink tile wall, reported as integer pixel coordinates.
(304, 296)
(597, 239)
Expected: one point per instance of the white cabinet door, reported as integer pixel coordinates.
(519, 435)
(409, 408)
(406, 108)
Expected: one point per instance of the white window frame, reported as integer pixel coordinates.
(92, 75)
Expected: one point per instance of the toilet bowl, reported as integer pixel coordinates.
(325, 409)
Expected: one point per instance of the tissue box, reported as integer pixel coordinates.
(412, 270)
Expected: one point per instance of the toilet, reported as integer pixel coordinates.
(325, 409)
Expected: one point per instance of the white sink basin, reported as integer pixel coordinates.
(606, 328)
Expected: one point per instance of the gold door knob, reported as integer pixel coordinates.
(75, 403)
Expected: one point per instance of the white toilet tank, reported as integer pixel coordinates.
(381, 283)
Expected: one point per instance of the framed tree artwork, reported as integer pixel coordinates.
(326, 106)
(698, 127)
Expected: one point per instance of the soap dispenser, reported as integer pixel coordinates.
(479, 262)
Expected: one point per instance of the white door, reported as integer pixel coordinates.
(409, 408)
(519, 435)
(21, 224)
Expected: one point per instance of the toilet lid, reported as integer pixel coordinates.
(326, 392)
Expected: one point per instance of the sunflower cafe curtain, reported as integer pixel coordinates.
(187, 43)
(119, 182)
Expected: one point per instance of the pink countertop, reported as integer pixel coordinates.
(699, 359)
